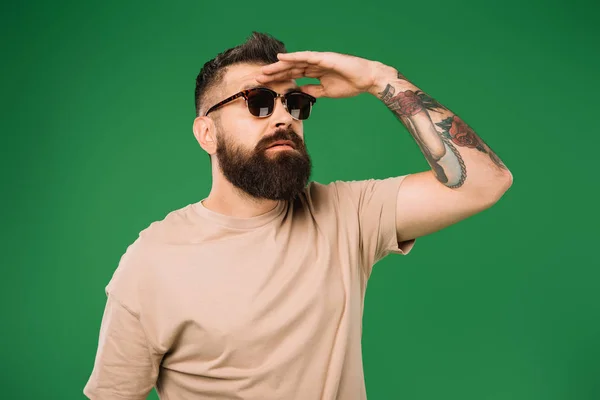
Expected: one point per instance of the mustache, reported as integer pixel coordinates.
(281, 134)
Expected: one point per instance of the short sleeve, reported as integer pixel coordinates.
(374, 201)
(125, 367)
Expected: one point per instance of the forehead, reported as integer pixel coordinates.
(242, 76)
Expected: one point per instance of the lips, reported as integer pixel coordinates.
(283, 143)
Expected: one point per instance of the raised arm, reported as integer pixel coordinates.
(466, 176)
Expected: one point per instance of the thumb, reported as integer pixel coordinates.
(314, 90)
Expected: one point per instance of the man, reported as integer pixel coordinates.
(256, 291)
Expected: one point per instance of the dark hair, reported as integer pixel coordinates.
(259, 48)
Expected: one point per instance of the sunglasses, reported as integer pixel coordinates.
(261, 102)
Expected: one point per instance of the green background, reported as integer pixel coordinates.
(97, 110)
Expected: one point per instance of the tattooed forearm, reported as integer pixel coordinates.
(411, 110)
(414, 109)
(455, 129)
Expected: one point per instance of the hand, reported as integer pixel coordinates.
(340, 75)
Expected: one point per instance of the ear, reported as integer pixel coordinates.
(204, 132)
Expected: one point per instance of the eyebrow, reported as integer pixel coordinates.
(254, 86)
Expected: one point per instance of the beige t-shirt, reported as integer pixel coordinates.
(208, 306)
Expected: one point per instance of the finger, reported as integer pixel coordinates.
(280, 66)
(313, 72)
(311, 57)
(294, 73)
(314, 90)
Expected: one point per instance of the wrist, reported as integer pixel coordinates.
(382, 76)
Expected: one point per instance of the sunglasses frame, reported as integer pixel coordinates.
(245, 93)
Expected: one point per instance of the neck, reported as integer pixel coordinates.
(226, 199)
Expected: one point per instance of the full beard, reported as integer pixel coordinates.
(280, 175)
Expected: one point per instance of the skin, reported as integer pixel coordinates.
(247, 178)
(466, 176)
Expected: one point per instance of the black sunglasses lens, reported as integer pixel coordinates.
(260, 102)
(299, 105)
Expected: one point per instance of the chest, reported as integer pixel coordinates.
(257, 302)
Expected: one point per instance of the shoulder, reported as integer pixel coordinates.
(138, 259)
(319, 195)
(172, 228)
(331, 190)
(339, 196)
(353, 193)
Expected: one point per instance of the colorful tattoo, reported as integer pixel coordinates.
(413, 109)
(455, 129)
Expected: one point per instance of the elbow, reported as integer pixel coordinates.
(505, 182)
(496, 188)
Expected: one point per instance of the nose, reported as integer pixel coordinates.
(280, 116)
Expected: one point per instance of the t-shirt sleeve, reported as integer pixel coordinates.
(127, 363)
(374, 201)
(126, 367)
